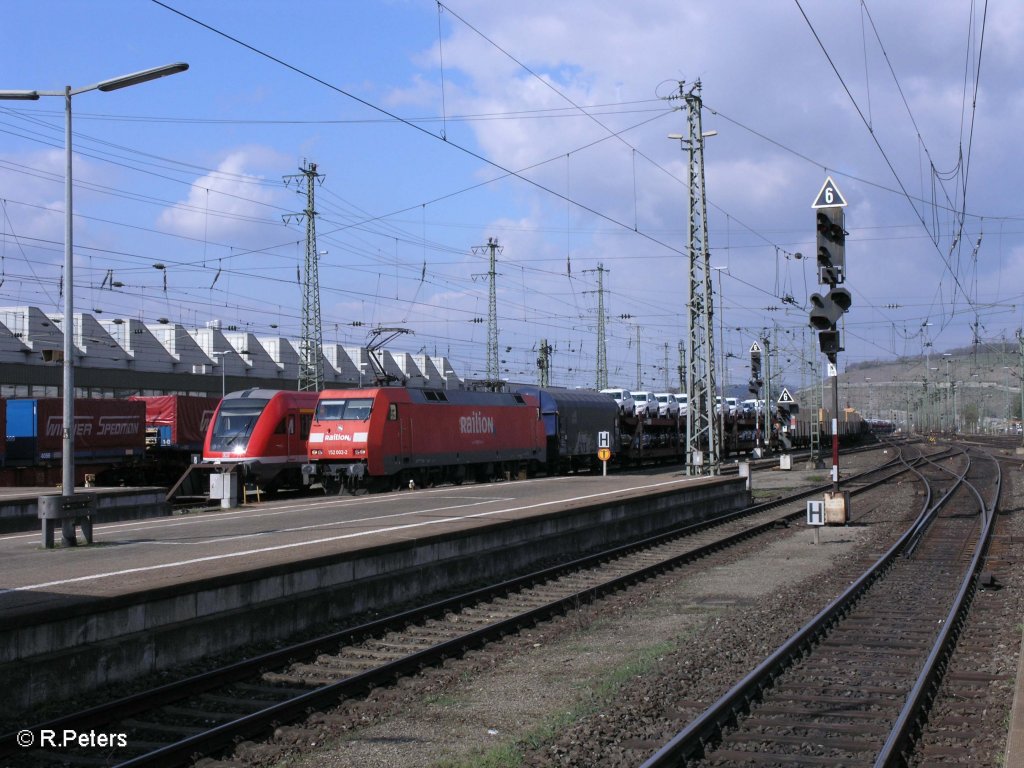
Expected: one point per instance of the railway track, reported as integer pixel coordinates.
(967, 723)
(208, 713)
(853, 685)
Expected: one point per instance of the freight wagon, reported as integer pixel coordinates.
(177, 422)
(573, 419)
(106, 433)
(104, 430)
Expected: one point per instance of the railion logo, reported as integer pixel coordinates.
(476, 424)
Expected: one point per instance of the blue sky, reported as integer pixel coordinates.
(414, 113)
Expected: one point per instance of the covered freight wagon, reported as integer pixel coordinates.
(104, 430)
(573, 418)
(177, 421)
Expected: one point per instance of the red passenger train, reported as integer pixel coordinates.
(394, 436)
(264, 432)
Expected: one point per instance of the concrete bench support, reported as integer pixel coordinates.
(71, 511)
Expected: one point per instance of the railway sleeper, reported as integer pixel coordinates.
(856, 746)
(868, 645)
(816, 725)
(278, 692)
(312, 680)
(335, 668)
(430, 635)
(372, 657)
(854, 700)
(246, 704)
(732, 757)
(201, 714)
(406, 646)
(835, 689)
(872, 664)
(395, 648)
(168, 728)
(807, 713)
(482, 617)
(979, 678)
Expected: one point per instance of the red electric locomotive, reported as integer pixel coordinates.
(265, 432)
(392, 437)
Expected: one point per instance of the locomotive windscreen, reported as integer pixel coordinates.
(353, 409)
(235, 422)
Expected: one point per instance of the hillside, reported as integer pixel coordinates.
(978, 388)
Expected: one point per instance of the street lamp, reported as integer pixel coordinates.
(723, 378)
(68, 453)
(1006, 396)
(223, 378)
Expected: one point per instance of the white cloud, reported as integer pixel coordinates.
(231, 204)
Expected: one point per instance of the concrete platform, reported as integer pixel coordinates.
(153, 594)
(19, 507)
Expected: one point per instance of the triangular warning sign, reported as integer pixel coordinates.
(755, 348)
(785, 398)
(829, 196)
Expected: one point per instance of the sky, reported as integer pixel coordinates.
(437, 127)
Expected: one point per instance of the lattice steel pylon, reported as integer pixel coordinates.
(544, 363)
(702, 438)
(311, 360)
(602, 344)
(493, 372)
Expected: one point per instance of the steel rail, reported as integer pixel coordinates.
(901, 737)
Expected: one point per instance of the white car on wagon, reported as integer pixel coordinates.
(668, 405)
(623, 397)
(646, 404)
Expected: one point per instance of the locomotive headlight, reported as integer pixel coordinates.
(240, 448)
(359, 452)
(316, 452)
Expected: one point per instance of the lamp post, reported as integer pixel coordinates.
(949, 411)
(113, 84)
(933, 406)
(223, 375)
(1006, 398)
(723, 378)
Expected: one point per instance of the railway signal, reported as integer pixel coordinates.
(831, 246)
(755, 369)
(826, 309)
(830, 344)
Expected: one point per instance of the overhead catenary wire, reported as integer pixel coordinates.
(367, 252)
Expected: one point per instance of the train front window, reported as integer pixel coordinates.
(354, 409)
(235, 422)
